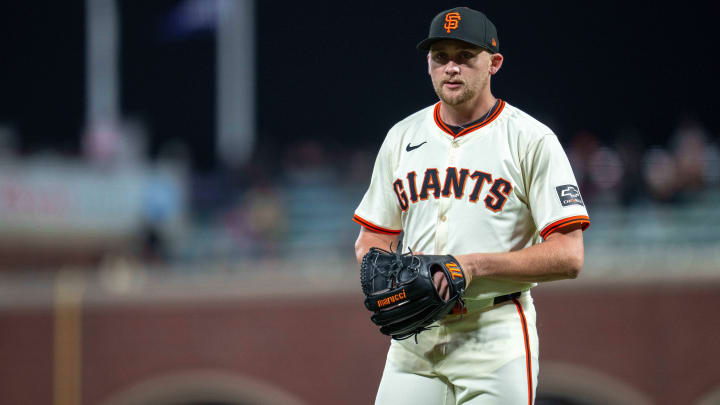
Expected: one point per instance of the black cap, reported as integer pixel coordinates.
(464, 24)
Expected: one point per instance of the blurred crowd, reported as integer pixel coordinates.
(630, 171)
(274, 206)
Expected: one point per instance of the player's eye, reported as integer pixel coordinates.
(439, 57)
(467, 55)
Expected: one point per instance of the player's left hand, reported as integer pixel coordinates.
(441, 283)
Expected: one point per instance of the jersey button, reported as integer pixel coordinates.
(455, 144)
(443, 218)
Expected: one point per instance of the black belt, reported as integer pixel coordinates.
(507, 297)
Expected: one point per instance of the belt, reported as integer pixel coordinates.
(507, 297)
(459, 309)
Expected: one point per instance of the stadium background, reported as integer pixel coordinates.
(178, 179)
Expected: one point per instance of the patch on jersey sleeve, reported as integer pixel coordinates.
(569, 195)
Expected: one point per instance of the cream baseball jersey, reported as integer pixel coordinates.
(501, 184)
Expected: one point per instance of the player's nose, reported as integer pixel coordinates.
(452, 68)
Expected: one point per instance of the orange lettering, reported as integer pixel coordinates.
(392, 299)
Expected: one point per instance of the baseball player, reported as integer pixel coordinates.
(477, 178)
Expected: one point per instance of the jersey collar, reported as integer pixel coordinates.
(494, 112)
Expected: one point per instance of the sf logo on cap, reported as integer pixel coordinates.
(451, 21)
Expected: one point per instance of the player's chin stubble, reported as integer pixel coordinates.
(454, 99)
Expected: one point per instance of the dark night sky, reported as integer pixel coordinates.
(343, 74)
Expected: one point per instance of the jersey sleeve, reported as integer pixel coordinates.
(379, 209)
(554, 197)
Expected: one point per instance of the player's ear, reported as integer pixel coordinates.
(496, 61)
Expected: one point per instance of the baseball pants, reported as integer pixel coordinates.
(488, 356)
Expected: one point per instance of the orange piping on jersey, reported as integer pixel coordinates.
(486, 121)
(439, 122)
(580, 219)
(444, 127)
(528, 357)
(369, 225)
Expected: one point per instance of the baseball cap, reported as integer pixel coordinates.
(464, 24)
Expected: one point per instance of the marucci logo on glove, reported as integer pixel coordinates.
(392, 299)
(455, 271)
(569, 195)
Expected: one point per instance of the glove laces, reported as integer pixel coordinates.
(392, 269)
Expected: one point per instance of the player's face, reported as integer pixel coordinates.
(459, 71)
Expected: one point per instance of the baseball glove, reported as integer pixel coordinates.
(400, 292)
